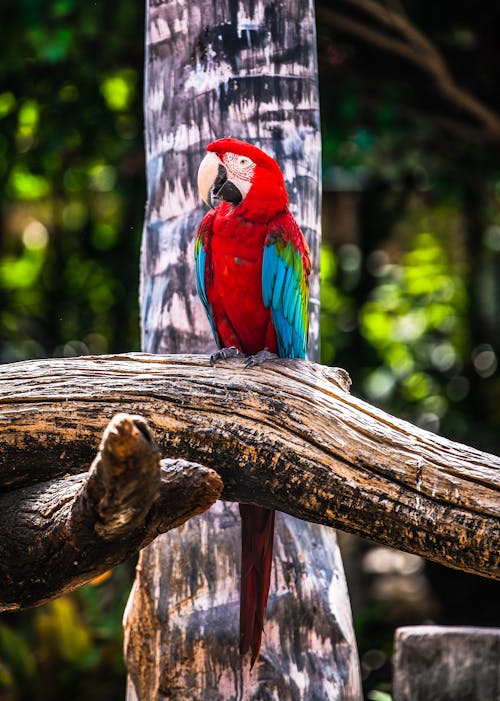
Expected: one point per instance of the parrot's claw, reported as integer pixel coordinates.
(259, 358)
(224, 354)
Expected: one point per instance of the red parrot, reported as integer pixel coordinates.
(252, 267)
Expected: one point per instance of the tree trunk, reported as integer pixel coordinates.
(438, 663)
(246, 70)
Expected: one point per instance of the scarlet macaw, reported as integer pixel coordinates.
(252, 267)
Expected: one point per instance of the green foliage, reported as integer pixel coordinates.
(410, 296)
(70, 648)
(119, 89)
(411, 332)
(71, 170)
(72, 181)
(411, 304)
(17, 658)
(415, 323)
(337, 308)
(377, 695)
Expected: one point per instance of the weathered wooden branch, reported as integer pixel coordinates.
(286, 435)
(61, 533)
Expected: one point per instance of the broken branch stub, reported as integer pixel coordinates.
(65, 531)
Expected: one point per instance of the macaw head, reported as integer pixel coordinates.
(242, 175)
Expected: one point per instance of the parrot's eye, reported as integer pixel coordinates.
(240, 169)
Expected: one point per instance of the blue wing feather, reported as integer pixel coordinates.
(268, 276)
(277, 301)
(285, 292)
(200, 257)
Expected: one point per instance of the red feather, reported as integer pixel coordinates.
(233, 281)
(257, 532)
(233, 239)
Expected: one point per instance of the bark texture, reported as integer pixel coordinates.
(231, 68)
(295, 597)
(286, 436)
(69, 528)
(246, 70)
(438, 663)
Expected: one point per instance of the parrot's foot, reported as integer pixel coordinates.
(259, 358)
(224, 354)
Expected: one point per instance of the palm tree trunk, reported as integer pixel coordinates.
(246, 70)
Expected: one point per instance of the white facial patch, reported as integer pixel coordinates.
(240, 170)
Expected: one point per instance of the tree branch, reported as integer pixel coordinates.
(62, 533)
(286, 436)
(415, 47)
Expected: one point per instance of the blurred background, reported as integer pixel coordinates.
(410, 268)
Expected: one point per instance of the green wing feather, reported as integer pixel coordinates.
(285, 270)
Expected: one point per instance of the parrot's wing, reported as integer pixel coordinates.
(285, 271)
(200, 261)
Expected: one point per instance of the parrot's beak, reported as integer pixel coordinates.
(207, 175)
(213, 183)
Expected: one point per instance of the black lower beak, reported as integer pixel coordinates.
(223, 189)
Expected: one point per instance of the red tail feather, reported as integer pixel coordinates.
(257, 531)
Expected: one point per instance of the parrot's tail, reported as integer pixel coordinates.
(257, 531)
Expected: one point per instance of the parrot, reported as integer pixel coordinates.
(252, 267)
